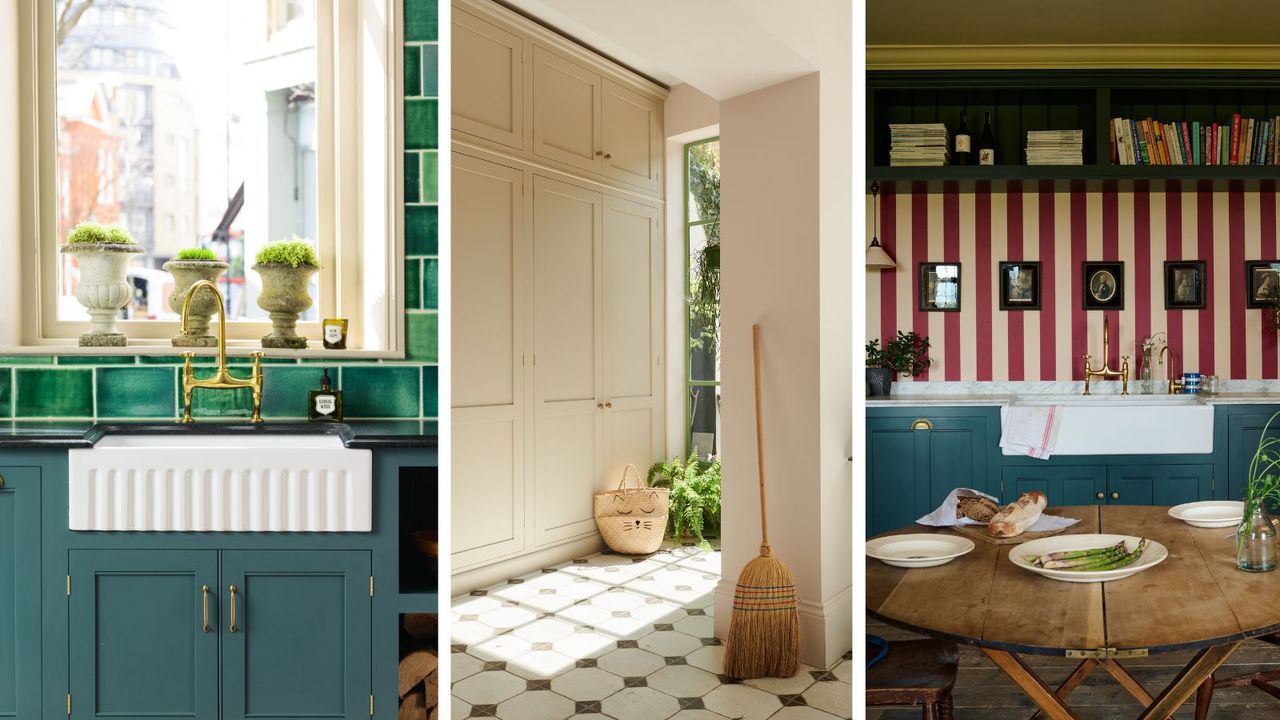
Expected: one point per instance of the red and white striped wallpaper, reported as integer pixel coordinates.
(1061, 228)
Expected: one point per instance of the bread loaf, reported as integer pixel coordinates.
(976, 508)
(1018, 515)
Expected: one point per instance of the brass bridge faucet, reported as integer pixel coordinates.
(222, 379)
(1106, 371)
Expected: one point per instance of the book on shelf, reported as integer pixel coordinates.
(1242, 141)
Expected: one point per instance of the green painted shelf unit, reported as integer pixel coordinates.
(1020, 101)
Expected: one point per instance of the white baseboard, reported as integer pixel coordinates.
(476, 578)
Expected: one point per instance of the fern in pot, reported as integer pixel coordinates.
(694, 510)
(907, 354)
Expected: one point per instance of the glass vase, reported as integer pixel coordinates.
(1256, 541)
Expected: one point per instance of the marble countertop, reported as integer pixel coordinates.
(371, 434)
(926, 400)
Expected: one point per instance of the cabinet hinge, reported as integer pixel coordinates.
(370, 586)
(68, 586)
(1107, 653)
(370, 704)
(68, 704)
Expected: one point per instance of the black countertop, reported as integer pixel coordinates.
(370, 434)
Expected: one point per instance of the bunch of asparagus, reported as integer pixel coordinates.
(1107, 558)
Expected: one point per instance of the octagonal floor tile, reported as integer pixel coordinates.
(683, 681)
(489, 688)
(587, 684)
(668, 643)
(536, 705)
(742, 701)
(640, 703)
(630, 662)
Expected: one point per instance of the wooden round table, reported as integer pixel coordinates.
(1195, 599)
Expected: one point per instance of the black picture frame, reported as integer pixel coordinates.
(1019, 285)
(1185, 283)
(935, 295)
(1259, 277)
(1102, 285)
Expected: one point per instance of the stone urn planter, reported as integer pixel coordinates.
(203, 304)
(286, 268)
(103, 254)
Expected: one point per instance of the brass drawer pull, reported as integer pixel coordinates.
(233, 627)
(204, 592)
(922, 424)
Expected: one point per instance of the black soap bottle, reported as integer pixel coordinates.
(325, 404)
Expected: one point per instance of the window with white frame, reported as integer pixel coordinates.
(215, 125)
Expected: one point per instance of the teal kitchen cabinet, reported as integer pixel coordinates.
(167, 634)
(300, 646)
(19, 592)
(1141, 484)
(1243, 427)
(142, 648)
(916, 456)
(1063, 485)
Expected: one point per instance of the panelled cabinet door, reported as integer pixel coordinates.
(566, 111)
(1073, 485)
(631, 132)
(19, 592)
(630, 305)
(138, 641)
(488, 81)
(956, 457)
(302, 642)
(891, 474)
(490, 257)
(1244, 432)
(1158, 484)
(568, 406)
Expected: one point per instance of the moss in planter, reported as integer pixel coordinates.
(294, 253)
(92, 233)
(195, 254)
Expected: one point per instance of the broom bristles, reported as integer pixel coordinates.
(764, 632)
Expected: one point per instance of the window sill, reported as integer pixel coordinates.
(235, 348)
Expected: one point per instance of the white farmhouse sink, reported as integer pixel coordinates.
(221, 483)
(1130, 424)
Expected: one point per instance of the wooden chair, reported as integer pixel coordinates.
(916, 672)
(1260, 680)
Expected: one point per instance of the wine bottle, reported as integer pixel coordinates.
(987, 144)
(962, 143)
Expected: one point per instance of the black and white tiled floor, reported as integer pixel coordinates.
(611, 636)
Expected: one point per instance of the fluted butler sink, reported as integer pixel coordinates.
(189, 482)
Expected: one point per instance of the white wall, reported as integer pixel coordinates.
(786, 266)
(10, 185)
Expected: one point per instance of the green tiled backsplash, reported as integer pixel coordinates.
(147, 387)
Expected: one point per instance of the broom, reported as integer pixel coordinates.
(764, 633)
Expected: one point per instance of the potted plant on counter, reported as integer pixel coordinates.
(190, 265)
(907, 354)
(286, 268)
(695, 496)
(102, 253)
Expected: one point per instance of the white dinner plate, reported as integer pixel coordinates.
(1209, 513)
(1152, 555)
(918, 550)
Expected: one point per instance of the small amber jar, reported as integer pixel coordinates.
(335, 333)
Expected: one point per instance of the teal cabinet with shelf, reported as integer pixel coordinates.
(19, 591)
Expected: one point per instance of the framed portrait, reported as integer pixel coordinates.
(1019, 285)
(1102, 285)
(1184, 284)
(939, 287)
(1262, 279)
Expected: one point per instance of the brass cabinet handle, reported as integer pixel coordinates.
(608, 156)
(609, 404)
(1, 481)
(922, 424)
(599, 406)
(1115, 496)
(233, 627)
(204, 591)
(1101, 496)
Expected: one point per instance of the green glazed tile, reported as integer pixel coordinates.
(412, 178)
(420, 230)
(430, 177)
(96, 360)
(26, 360)
(420, 20)
(413, 284)
(248, 361)
(421, 331)
(420, 123)
(6, 393)
(430, 284)
(430, 391)
(284, 390)
(53, 393)
(136, 392)
(430, 70)
(412, 71)
(208, 403)
(174, 359)
(380, 391)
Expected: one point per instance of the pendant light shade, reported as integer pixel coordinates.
(877, 258)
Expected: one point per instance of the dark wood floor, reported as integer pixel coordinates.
(984, 693)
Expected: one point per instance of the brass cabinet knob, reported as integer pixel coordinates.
(1101, 496)
(599, 406)
(1115, 496)
(922, 424)
(1, 481)
(609, 404)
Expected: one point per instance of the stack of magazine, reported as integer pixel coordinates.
(918, 145)
(1055, 147)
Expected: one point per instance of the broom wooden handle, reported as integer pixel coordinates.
(764, 514)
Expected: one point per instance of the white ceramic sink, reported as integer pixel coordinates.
(221, 483)
(1130, 424)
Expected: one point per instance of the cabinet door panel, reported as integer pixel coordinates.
(488, 486)
(303, 644)
(488, 81)
(1244, 432)
(629, 286)
(566, 111)
(1076, 485)
(957, 458)
(19, 592)
(1158, 484)
(568, 470)
(631, 132)
(138, 647)
(891, 475)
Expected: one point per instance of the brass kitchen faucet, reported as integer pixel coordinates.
(1106, 371)
(222, 378)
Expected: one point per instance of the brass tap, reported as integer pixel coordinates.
(222, 378)
(1175, 387)
(1106, 371)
